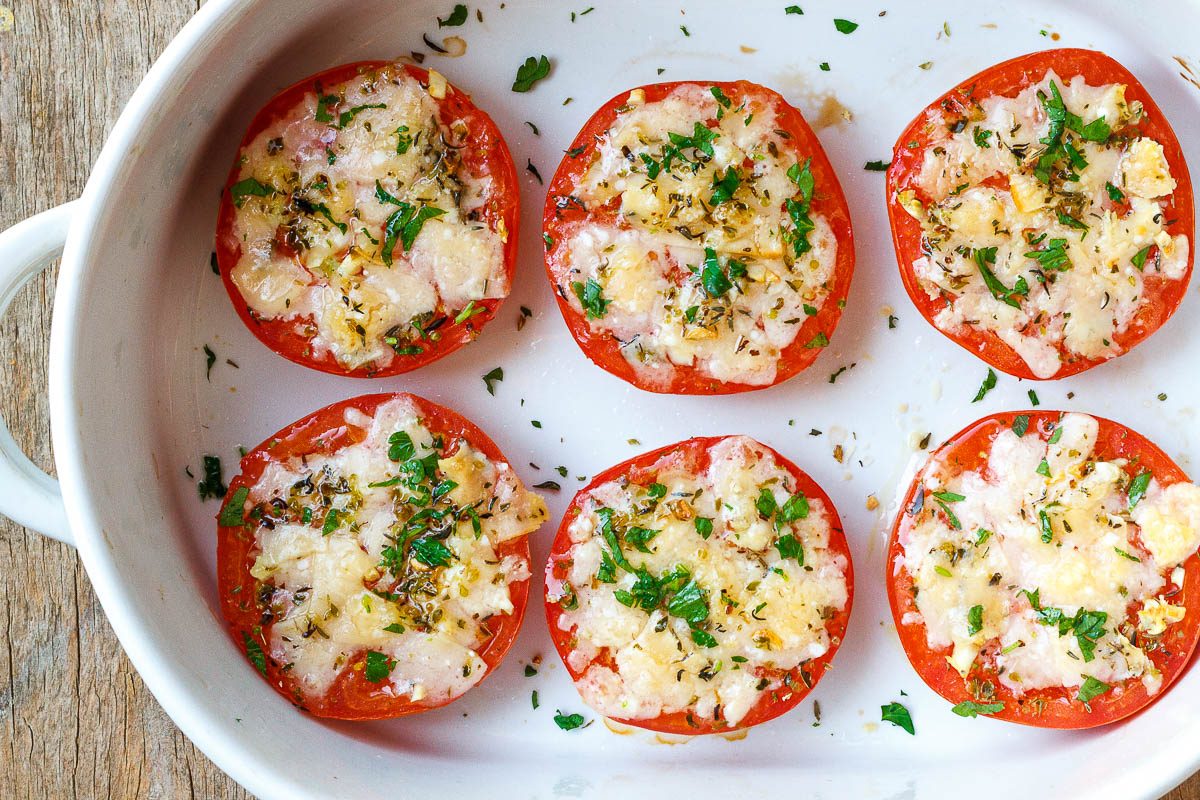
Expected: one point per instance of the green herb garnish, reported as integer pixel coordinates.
(529, 73)
(898, 715)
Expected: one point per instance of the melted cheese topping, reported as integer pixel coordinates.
(655, 264)
(1070, 231)
(379, 579)
(764, 611)
(1042, 532)
(314, 228)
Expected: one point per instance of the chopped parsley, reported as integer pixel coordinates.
(1071, 222)
(1020, 424)
(212, 485)
(722, 101)
(1057, 146)
(1046, 526)
(970, 708)
(877, 166)
(984, 257)
(898, 715)
(701, 140)
(724, 186)
(798, 210)
(403, 225)
(255, 653)
(790, 547)
(974, 620)
(233, 512)
(529, 73)
(210, 358)
(989, 383)
(591, 297)
(716, 280)
(490, 379)
(1138, 487)
(846, 26)
(431, 552)
(1139, 258)
(378, 667)
(568, 722)
(250, 187)
(400, 446)
(457, 17)
(1088, 626)
(346, 117)
(1053, 256)
(1091, 689)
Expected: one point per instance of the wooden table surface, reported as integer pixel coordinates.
(75, 719)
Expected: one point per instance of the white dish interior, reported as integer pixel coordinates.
(133, 407)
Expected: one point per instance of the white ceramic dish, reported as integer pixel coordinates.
(131, 407)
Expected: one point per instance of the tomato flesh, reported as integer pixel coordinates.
(968, 451)
(802, 678)
(1162, 296)
(325, 432)
(561, 215)
(484, 154)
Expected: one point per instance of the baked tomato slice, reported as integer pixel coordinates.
(702, 587)
(368, 225)
(373, 558)
(698, 240)
(1042, 213)
(1043, 570)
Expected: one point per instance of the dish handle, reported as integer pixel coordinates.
(29, 496)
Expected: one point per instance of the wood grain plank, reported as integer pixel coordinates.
(75, 719)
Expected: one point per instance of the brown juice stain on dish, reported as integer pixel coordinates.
(662, 738)
(666, 738)
(1189, 73)
(821, 109)
(616, 727)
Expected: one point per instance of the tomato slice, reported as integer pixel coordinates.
(693, 456)
(325, 432)
(1161, 297)
(565, 213)
(1053, 707)
(484, 155)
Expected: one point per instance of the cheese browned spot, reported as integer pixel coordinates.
(385, 574)
(1044, 532)
(1067, 219)
(318, 190)
(704, 266)
(714, 591)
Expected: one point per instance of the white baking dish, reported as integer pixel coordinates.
(131, 407)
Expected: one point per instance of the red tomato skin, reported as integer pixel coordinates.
(1008, 78)
(968, 450)
(352, 696)
(487, 153)
(600, 347)
(769, 706)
